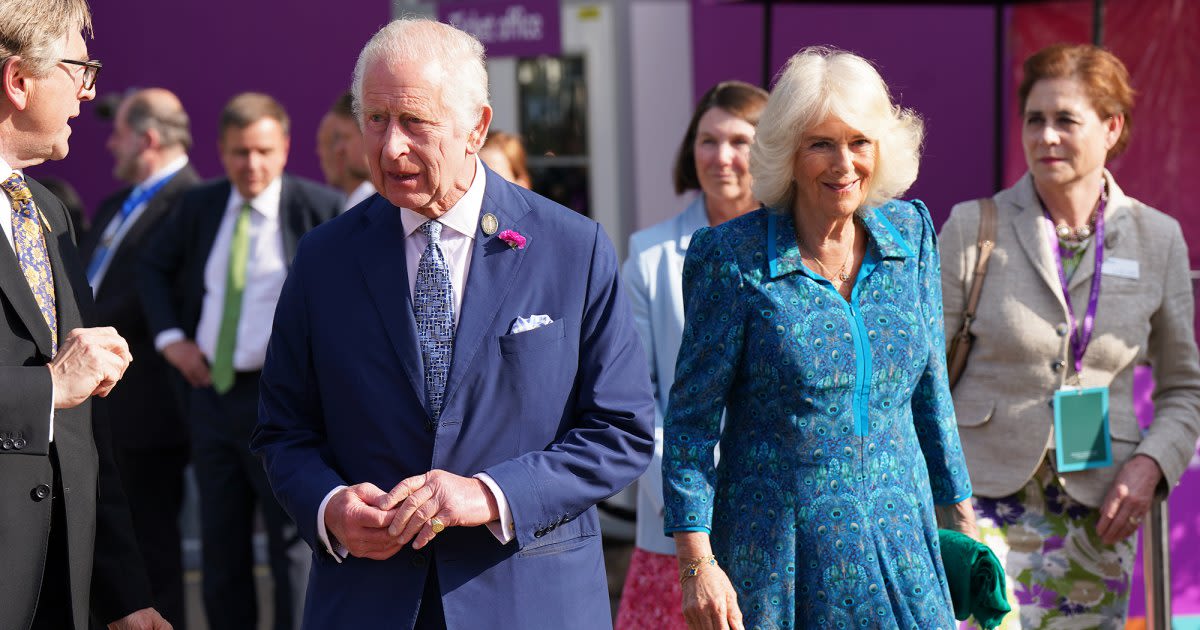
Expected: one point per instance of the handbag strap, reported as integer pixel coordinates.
(986, 243)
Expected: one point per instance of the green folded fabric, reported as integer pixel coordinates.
(976, 579)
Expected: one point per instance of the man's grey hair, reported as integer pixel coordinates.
(36, 30)
(454, 60)
(161, 111)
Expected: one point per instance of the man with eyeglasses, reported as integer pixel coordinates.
(69, 549)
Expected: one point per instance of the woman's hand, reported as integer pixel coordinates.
(709, 601)
(959, 517)
(1128, 500)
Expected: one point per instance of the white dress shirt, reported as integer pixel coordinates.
(359, 195)
(6, 171)
(116, 229)
(456, 242)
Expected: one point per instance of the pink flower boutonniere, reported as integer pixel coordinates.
(513, 238)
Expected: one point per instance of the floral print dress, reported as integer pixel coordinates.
(839, 434)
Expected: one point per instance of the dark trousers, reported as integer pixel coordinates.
(153, 482)
(232, 483)
(54, 601)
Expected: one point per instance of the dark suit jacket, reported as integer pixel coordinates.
(96, 513)
(172, 270)
(145, 411)
(560, 416)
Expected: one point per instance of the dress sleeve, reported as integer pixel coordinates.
(704, 372)
(932, 407)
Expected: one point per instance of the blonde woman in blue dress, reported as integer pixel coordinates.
(817, 324)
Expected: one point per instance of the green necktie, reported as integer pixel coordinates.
(235, 284)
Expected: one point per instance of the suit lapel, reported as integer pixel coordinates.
(14, 287)
(494, 267)
(155, 209)
(63, 259)
(381, 258)
(287, 215)
(1029, 228)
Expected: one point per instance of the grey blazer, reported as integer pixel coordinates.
(1022, 349)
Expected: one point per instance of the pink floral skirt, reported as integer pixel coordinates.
(651, 599)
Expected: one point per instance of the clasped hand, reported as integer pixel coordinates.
(374, 524)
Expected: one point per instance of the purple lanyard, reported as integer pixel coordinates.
(1081, 333)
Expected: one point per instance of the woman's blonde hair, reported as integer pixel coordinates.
(818, 82)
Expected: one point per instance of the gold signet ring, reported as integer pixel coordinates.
(436, 525)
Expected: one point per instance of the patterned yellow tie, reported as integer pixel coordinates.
(30, 246)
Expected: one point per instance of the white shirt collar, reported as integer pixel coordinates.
(462, 217)
(266, 203)
(6, 170)
(164, 172)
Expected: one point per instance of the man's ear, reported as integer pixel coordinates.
(478, 135)
(16, 82)
(152, 139)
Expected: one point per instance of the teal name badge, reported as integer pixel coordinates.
(1081, 437)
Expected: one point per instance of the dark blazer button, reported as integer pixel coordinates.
(19, 443)
(1058, 366)
(40, 493)
(418, 560)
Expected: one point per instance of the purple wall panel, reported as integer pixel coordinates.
(726, 44)
(208, 51)
(938, 60)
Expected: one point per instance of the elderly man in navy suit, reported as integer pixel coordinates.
(453, 379)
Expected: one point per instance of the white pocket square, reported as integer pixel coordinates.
(525, 324)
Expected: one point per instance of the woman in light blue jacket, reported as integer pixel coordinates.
(714, 159)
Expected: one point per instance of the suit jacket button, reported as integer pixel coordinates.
(418, 560)
(19, 443)
(1062, 329)
(1058, 366)
(40, 493)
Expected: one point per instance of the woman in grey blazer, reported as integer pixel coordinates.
(713, 158)
(1060, 518)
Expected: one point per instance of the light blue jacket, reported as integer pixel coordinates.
(653, 276)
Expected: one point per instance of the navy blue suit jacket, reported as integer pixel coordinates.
(560, 416)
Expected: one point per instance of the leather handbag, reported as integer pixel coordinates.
(960, 345)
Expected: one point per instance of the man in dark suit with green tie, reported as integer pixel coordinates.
(69, 551)
(209, 281)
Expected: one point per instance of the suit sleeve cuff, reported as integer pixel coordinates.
(336, 548)
(501, 528)
(168, 337)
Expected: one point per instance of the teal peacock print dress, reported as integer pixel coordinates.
(840, 432)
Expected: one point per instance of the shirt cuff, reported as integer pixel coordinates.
(501, 528)
(168, 337)
(337, 549)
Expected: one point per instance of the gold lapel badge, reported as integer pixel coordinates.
(490, 224)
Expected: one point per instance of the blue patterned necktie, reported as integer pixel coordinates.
(30, 247)
(433, 306)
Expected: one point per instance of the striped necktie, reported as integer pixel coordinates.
(433, 306)
(30, 246)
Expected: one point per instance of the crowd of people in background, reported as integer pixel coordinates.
(790, 394)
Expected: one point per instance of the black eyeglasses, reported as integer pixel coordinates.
(91, 70)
